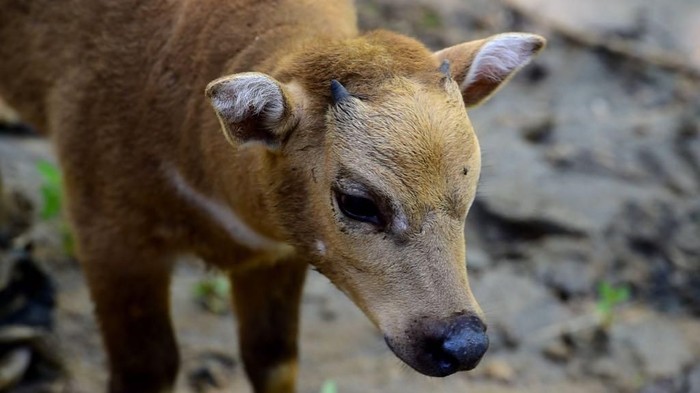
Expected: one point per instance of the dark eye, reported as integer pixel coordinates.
(358, 208)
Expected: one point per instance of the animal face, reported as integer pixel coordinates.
(399, 177)
(393, 169)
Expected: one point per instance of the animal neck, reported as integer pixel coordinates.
(238, 181)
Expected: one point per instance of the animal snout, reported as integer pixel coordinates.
(438, 348)
(461, 345)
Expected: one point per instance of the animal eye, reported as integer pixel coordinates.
(358, 208)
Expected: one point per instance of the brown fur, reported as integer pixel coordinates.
(119, 88)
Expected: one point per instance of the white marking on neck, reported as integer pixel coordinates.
(321, 247)
(239, 231)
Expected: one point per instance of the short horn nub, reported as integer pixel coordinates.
(338, 92)
(445, 68)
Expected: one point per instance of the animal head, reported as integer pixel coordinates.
(374, 165)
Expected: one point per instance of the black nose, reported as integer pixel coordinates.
(461, 346)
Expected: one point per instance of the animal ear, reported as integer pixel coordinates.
(481, 67)
(252, 106)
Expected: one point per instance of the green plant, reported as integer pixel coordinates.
(50, 189)
(212, 293)
(609, 297)
(51, 199)
(329, 386)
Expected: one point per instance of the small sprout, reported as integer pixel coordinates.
(212, 293)
(609, 297)
(329, 386)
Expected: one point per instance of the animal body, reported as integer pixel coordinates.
(263, 137)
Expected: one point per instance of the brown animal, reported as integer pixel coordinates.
(352, 153)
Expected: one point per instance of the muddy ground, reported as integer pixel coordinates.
(592, 177)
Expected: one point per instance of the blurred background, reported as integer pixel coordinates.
(583, 243)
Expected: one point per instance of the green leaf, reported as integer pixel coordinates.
(610, 296)
(329, 387)
(52, 203)
(49, 172)
(213, 293)
(50, 189)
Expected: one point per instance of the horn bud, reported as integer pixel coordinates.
(338, 92)
(445, 68)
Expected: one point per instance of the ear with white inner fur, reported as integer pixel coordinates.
(252, 106)
(481, 67)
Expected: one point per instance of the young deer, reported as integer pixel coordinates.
(351, 153)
